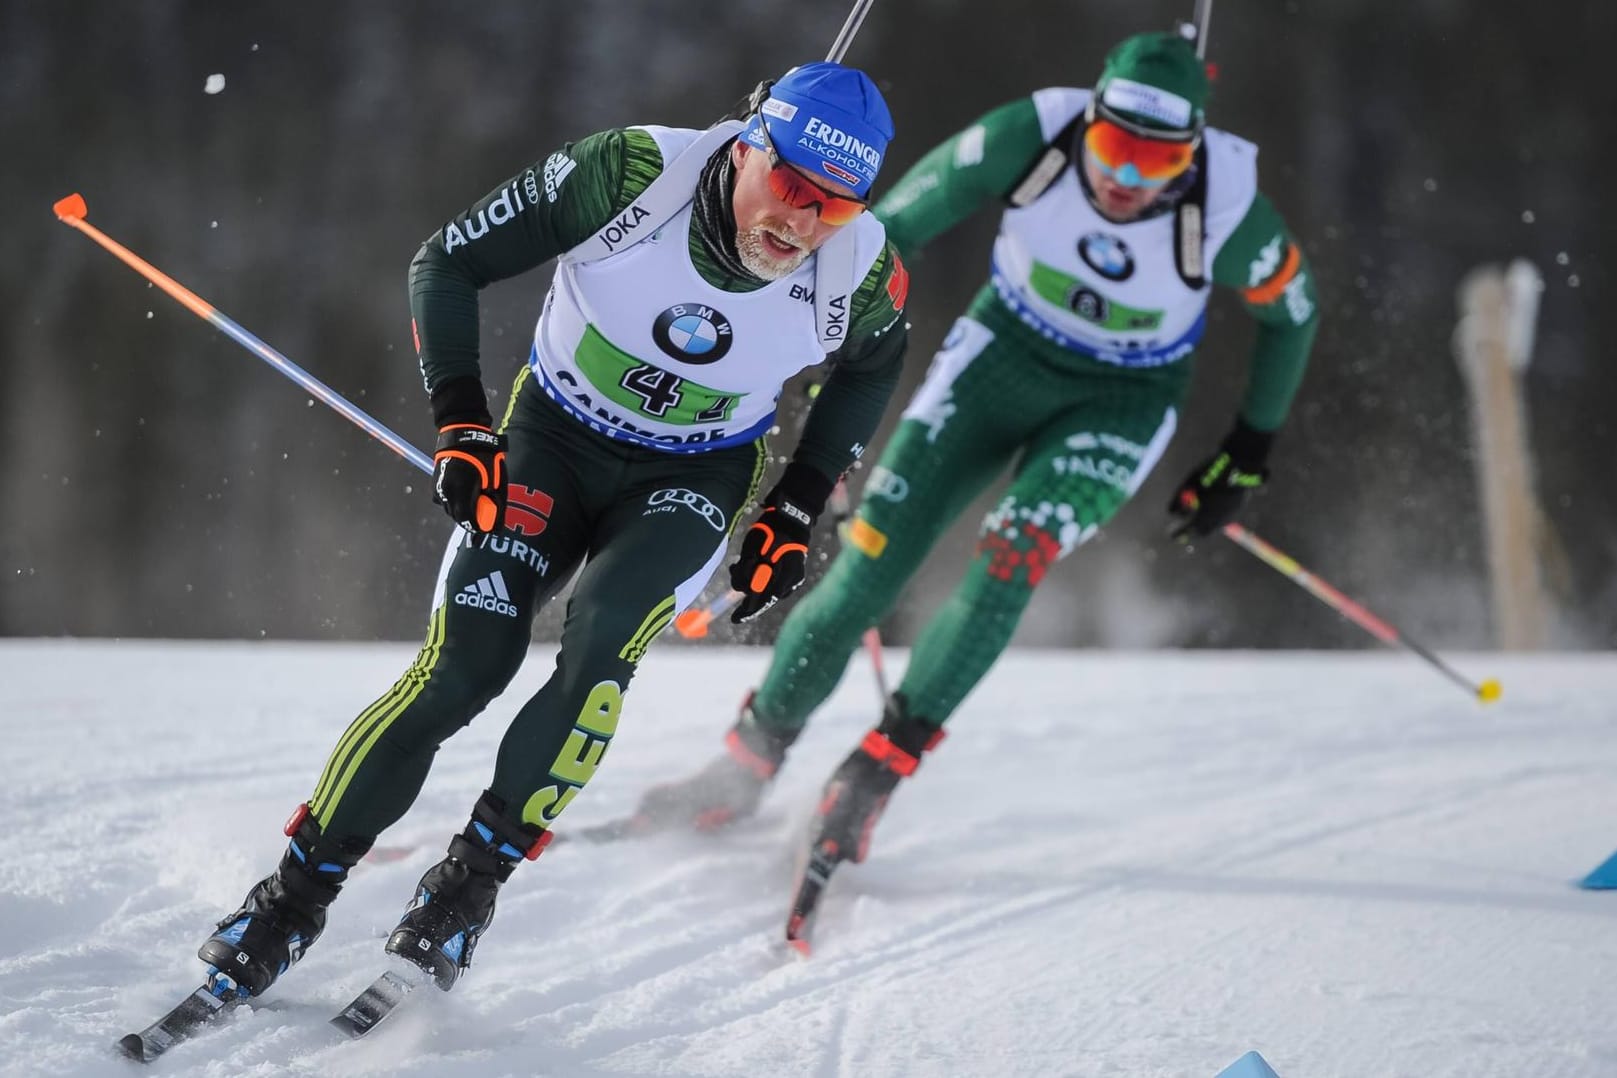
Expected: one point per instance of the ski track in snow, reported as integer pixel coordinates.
(1117, 864)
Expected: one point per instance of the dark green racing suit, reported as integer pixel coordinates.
(649, 523)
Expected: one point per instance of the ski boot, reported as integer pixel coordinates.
(282, 915)
(857, 792)
(852, 803)
(454, 902)
(728, 788)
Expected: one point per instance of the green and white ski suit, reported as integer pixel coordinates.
(1069, 368)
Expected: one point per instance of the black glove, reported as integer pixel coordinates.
(468, 476)
(1210, 495)
(774, 552)
(468, 467)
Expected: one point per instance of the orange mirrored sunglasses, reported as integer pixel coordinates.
(798, 191)
(1133, 160)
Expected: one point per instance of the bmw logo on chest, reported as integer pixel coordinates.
(692, 333)
(1106, 255)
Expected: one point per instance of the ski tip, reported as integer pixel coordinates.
(72, 208)
(1490, 690)
(797, 935)
(348, 1026)
(133, 1047)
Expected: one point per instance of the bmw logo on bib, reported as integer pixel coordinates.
(1106, 255)
(692, 333)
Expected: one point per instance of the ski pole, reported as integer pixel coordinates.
(1203, 19)
(72, 212)
(694, 624)
(856, 19)
(1486, 691)
(841, 512)
(872, 641)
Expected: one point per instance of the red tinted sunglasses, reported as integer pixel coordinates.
(798, 191)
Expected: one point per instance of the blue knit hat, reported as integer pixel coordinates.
(828, 119)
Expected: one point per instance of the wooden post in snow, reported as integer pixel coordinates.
(1494, 344)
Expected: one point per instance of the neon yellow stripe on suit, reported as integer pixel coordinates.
(760, 464)
(655, 622)
(356, 729)
(364, 731)
(511, 405)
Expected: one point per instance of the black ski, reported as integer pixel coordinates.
(197, 1010)
(822, 861)
(624, 827)
(379, 1000)
(604, 832)
(615, 830)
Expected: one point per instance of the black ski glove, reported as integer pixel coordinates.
(774, 553)
(468, 467)
(1211, 495)
(468, 476)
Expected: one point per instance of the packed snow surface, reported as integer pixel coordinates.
(1116, 864)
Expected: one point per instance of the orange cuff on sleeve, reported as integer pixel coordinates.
(1271, 290)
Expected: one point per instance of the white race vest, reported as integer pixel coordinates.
(634, 342)
(1113, 291)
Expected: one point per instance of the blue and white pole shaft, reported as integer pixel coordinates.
(72, 212)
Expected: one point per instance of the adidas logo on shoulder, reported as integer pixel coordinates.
(488, 593)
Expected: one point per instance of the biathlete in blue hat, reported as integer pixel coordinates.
(696, 272)
(1120, 210)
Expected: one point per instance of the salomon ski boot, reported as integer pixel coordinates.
(454, 902)
(282, 915)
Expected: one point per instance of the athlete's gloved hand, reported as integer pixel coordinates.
(468, 476)
(774, 552)
(468, 466)
(1213, 492)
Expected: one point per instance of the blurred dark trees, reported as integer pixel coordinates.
(161, 481)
